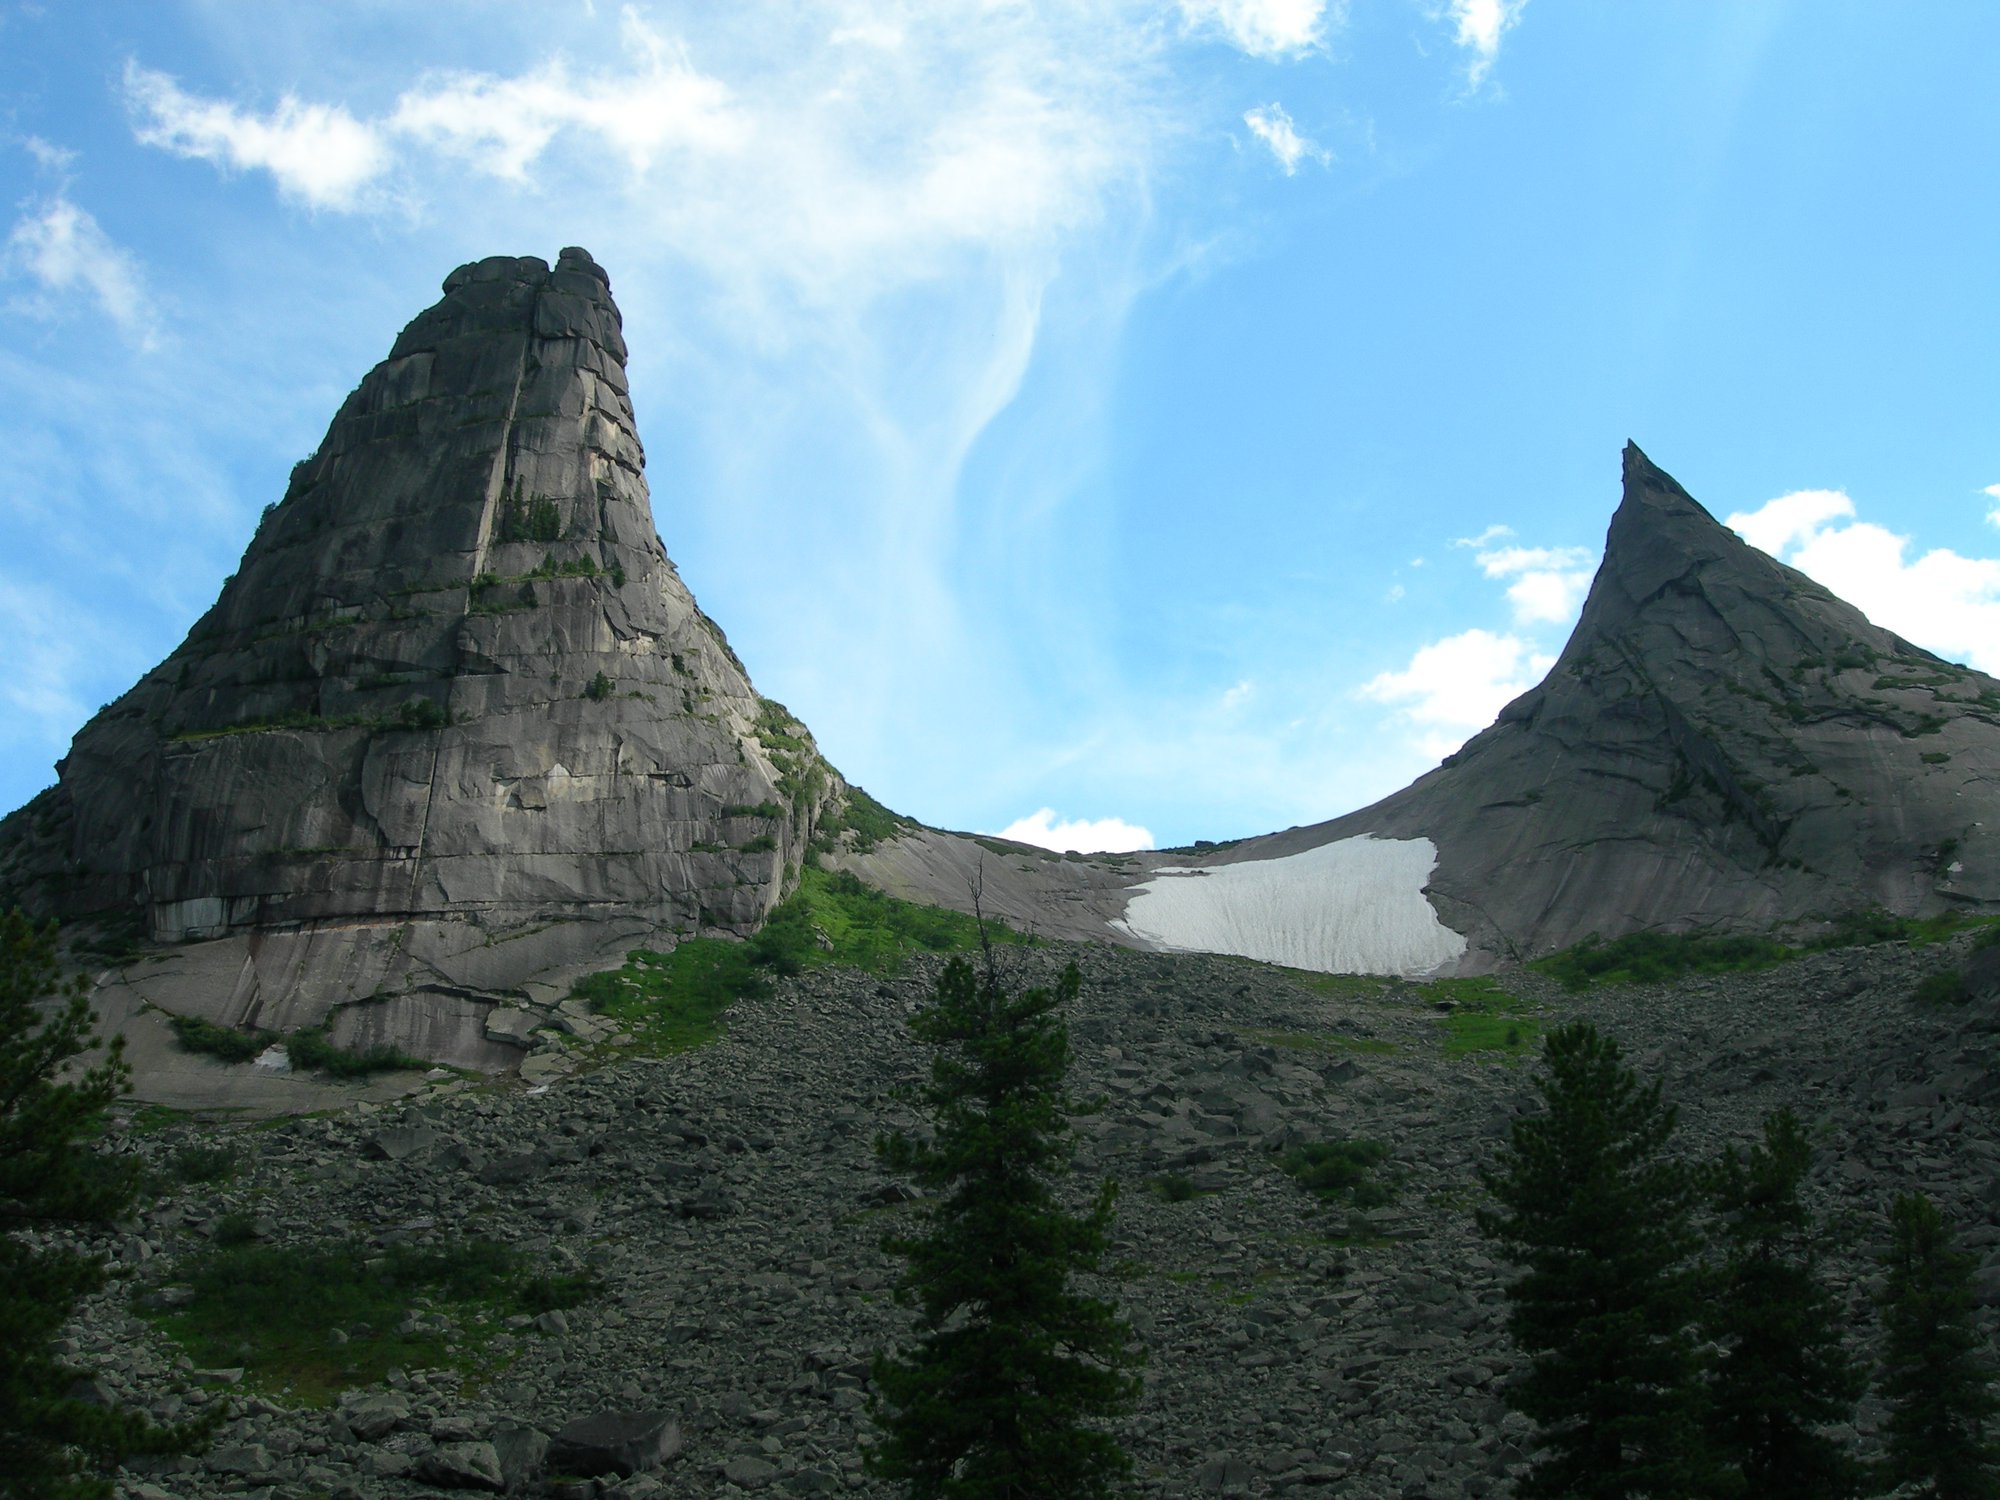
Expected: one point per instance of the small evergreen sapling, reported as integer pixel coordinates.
(1013, 1369)
(1939, 1388)
(1599, 1222)
(1780, 1375)
(50, 1175)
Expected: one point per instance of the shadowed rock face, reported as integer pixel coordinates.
(1722, 743)
(456, 721)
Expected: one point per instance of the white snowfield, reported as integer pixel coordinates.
(1355, 906)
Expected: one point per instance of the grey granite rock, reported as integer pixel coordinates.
(454, 726)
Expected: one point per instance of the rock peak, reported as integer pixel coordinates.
(454, 723)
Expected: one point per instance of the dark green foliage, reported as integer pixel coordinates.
(599, 688)
(1942, 987)
(421, 713)
(868, 820)
(1653, 957)
(1779, 1375)
(194, 1164)
(274, 1309)
(1340, 1172)
(1598, 1221)
(1013, 1370)
(1173, 1187)
(1938, 1383)
(49, 1176)
(313, 1048)
(763, 843)
(193, 1034)
(537, 520)
(753, 810)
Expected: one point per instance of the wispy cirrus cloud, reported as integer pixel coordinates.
(59, 246)
(1480, 26)
(1276, 129)
(1265, 28)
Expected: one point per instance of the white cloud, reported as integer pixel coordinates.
(1941, 600)
(1078, 835)
(1271, 125)
(317, 153)
(1549, 582)
(1796, 517)
(1458, 685)
(65, 251)
(1485, 538)
(1481, 24)
(1993, 515)
(1264, 28)
(662, 103)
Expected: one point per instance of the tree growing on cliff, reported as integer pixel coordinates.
(1014, 1370)
(1940, 1390)
(50, 1175)
(1599, 1221)
(1779, 1376)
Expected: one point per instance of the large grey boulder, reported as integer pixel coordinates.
(454, 725)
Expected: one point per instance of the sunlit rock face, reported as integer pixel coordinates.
(456, 721)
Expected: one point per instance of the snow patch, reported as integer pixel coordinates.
(1355, 906)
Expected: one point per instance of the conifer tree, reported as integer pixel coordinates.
(1939, 1388)
(1780, 1375)
(1003, 1393)
(50, 1175)
(1599, 1221)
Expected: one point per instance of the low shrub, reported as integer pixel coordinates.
(314, 1048)
(1944, 987)
(1340, 1172)
(193, 1034)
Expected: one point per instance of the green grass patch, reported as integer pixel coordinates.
(275, 1311)
(675, 1001)
(1484, 1018)
(1340, 1172)
(1656, 957)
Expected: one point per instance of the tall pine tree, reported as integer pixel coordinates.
(1003, 1394)
(1939, 1387)
(1599, 1221)
(1779, 1375)
(50, 1175)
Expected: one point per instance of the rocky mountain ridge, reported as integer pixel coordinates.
(1722, 745)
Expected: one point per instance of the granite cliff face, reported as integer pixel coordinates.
(1723, 744)
(454, 724)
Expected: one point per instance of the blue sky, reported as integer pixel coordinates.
(1193, 418)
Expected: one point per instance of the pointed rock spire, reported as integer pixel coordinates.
(455, 722)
